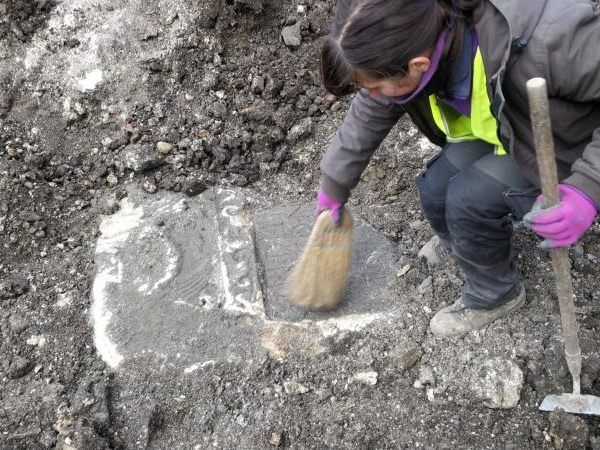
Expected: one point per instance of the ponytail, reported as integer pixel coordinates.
(463, 9)
(460, 15)
(379, 37)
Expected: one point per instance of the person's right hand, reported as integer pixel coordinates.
(324, 202)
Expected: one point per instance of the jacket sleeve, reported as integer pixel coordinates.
(574, 70)
(367, 123)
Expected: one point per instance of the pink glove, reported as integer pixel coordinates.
(324, 202)
(565, 223)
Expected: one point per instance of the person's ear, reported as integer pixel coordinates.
(419, 64)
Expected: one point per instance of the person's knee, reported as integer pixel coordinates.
(477, 226)
(433, 181)
(473, 196)
(462, 199)
(430, 193)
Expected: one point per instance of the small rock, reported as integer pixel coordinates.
(259, 111)
(164, 147)
(237, 179)
(416, 225)
(403, 271)
(293, 387)
(336, 106)
(140, 157)
(275, 439)
(366, 378)
(193, 186)
(568, 430)
(426, 287)
(577, 251)
(303, 103)
(292, 35)
(258, 84)
(38, 340)
(14, 152)
(301, 130)
(99, 172)
(284, 116)
(73, 111)
(498, 382)
(17, 323)
(155, 66)
(112, 179)
(426, 376)
(19, 367)
(177, 161)
(247, 138)
(64, 300)
(48, 438)
(150, 185)
(29, 216)
(119, 139)
(456, 281)
(404, 359)
(185, 143)
(430, 395)
(218, 110)
(273, 87)
(106, 142)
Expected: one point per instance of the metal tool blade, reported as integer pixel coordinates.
(572, 403)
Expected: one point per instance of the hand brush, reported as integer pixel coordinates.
(319, 277)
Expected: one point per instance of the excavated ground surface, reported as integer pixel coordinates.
(86, 87)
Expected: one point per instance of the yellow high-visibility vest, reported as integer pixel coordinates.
(482, 125)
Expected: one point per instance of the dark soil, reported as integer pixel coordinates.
(215, 80)
(21, 18)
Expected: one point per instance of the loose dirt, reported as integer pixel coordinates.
(211, 94)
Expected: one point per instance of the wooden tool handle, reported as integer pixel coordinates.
(544, 145)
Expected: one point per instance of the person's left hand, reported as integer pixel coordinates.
(324, 201)
(563, 224)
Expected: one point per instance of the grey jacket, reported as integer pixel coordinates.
(558, 40)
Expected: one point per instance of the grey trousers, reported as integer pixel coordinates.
(471, 196)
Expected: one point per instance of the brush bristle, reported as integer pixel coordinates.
(319, 278)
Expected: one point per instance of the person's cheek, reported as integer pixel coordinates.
(375, 92)
(389, 91)
(399, 88)
(395, 92)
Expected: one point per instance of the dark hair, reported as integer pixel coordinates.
(377, 38)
